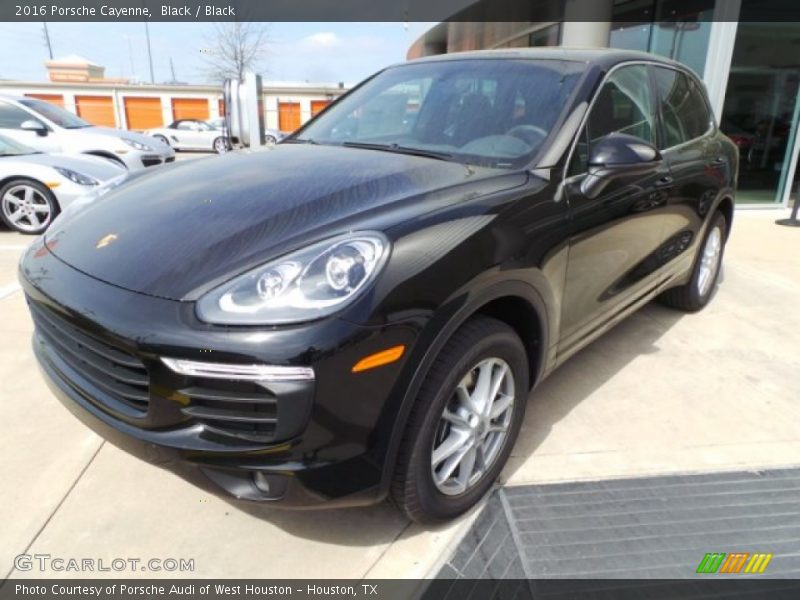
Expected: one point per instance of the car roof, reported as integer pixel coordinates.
(602, 57)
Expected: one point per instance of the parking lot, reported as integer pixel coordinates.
(662, 393)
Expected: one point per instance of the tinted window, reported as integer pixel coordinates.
(489, 112)
(12, 117)
(623, 105)
(683, 107)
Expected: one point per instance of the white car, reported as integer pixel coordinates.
(191, 134)
(271, 136)
(49, 128)
(35, 187)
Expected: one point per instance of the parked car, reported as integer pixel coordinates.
(49, 128)
(271, 136)
(191, 134)
(35, 187)
(363, 309)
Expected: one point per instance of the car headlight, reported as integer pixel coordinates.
(76, 177)
(137, 145)
(302, 286)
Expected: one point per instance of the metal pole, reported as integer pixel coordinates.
(793, 221)
(149, 52)
(47, 39)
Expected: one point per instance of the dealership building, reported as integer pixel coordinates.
(751, 69)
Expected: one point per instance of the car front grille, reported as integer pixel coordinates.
(151, 161)
(242, 410)
(119, 375)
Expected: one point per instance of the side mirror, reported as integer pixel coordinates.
(618, 155)
(34, 125)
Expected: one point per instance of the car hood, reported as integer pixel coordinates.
(98, 168)
(180, 231)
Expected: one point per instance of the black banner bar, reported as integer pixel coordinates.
(711, 586)
(380, 10)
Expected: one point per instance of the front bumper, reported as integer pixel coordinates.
(136, 159)
(328, 443)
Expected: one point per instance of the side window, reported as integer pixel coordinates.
(12, 117)
(683, 107)
(624, 104)
(185, 126)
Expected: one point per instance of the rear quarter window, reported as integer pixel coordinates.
(684, 110)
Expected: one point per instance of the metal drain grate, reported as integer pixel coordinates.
(642, 528)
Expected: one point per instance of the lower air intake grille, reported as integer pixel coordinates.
(114, 371)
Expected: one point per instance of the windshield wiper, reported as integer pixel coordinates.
(300, 141)
(400, 150)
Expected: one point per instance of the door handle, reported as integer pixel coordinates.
(664, 181)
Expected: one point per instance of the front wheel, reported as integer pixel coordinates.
(698, 291)
(464, 422)
(27, 206)
(220, 145)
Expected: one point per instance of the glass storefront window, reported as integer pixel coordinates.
(761, 107)
(677, 30)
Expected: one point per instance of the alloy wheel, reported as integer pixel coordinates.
(473, 427)
(26, 208)
(220, 145)
(709, 261)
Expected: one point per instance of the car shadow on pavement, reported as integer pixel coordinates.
(554, 399)
(584, 373)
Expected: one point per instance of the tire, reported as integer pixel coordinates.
(27, 206)
(415, 490)
(220, 145)
(698, 291)
(163, 140)
(270, 140)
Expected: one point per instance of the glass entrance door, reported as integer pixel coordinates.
(760, 111)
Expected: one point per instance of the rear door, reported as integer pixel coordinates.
(617, 234)
(696, 159)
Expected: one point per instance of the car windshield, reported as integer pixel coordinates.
(56, 114)
(488, 112)
(9, 147)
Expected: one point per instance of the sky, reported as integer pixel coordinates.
(314, 52)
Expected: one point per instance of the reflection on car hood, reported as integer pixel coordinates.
(197, 223)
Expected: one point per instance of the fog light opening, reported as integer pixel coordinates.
(262, 483)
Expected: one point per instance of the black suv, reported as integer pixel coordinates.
(363, 309)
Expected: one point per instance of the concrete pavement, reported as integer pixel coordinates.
(662, 393)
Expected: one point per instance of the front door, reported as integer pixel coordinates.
(616, 235)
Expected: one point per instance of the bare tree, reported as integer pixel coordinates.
(236, 47)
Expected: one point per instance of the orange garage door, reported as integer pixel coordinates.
(288, 116)
(317, 106)
(56, 99)
(98, 110)
(190, 108)
(143, 113)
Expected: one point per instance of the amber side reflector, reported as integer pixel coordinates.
(52, 184)
(384, 357)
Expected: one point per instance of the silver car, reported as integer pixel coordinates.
(35, 187)
(271, 136)
(49, 128)
(191, 134)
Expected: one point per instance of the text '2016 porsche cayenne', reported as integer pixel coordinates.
(364, 309)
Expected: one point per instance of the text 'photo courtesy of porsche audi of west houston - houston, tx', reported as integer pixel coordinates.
(363, 309)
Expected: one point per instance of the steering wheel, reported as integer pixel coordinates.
(530, 134)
